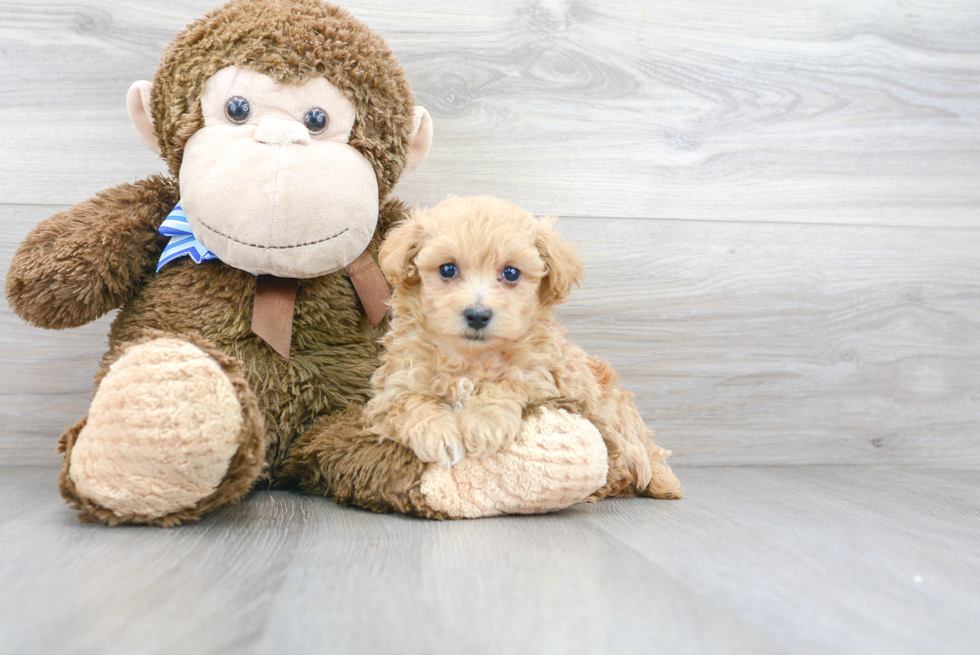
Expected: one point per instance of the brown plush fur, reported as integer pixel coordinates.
(341, 458)
(82, 263)
(101, 254)
(334, 352)
(447, 390)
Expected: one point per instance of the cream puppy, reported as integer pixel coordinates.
(474, 346)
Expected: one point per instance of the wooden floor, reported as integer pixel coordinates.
(755, 560)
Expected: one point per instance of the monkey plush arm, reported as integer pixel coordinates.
(84, 262)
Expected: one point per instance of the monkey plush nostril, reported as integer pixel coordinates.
(280, 132)
(477, 317)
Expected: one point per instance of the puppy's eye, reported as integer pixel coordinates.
(316, 120)
(448, 271)
(511, 274)
(238, 110)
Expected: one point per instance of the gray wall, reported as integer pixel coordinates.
(778, 205)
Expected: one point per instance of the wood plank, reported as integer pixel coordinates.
(286, 573)
(779, 344)
(137, 590)
(745, 343)
(827, 560)
(828, 111)
(46, 381)
(519, 585)
(754, 560)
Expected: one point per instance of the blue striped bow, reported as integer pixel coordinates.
(182, 241)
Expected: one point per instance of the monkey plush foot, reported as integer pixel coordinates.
(557, 460)
(173, 432)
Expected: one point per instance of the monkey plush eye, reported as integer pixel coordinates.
(448, 271)
(316, 120)
(511, 274)
(238, 110)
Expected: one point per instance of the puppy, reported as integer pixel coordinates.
(473, 344)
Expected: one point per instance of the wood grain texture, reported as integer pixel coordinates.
(757, 342)
(828, 560)
(45, 376)
(828, 112)
(754, 560)
(766, 343)
(745, 343)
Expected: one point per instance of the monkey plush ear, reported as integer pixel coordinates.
(138, 106)
(421, 140)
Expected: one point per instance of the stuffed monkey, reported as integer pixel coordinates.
(250, 302)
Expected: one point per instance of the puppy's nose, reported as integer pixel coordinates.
(477, 317)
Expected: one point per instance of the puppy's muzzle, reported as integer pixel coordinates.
(477, 318)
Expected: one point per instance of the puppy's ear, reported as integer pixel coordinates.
(564, 268)
(398, 251)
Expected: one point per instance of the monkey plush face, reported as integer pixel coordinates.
(270, 183)
(287, 122)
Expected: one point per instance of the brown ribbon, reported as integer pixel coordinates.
(275, 300)
(272, 315)
(371, 287)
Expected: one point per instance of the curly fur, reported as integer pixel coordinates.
(447, 391)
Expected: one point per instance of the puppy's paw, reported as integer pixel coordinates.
(488, 427)
(663, 482)
(436, 439)
(647, 477)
